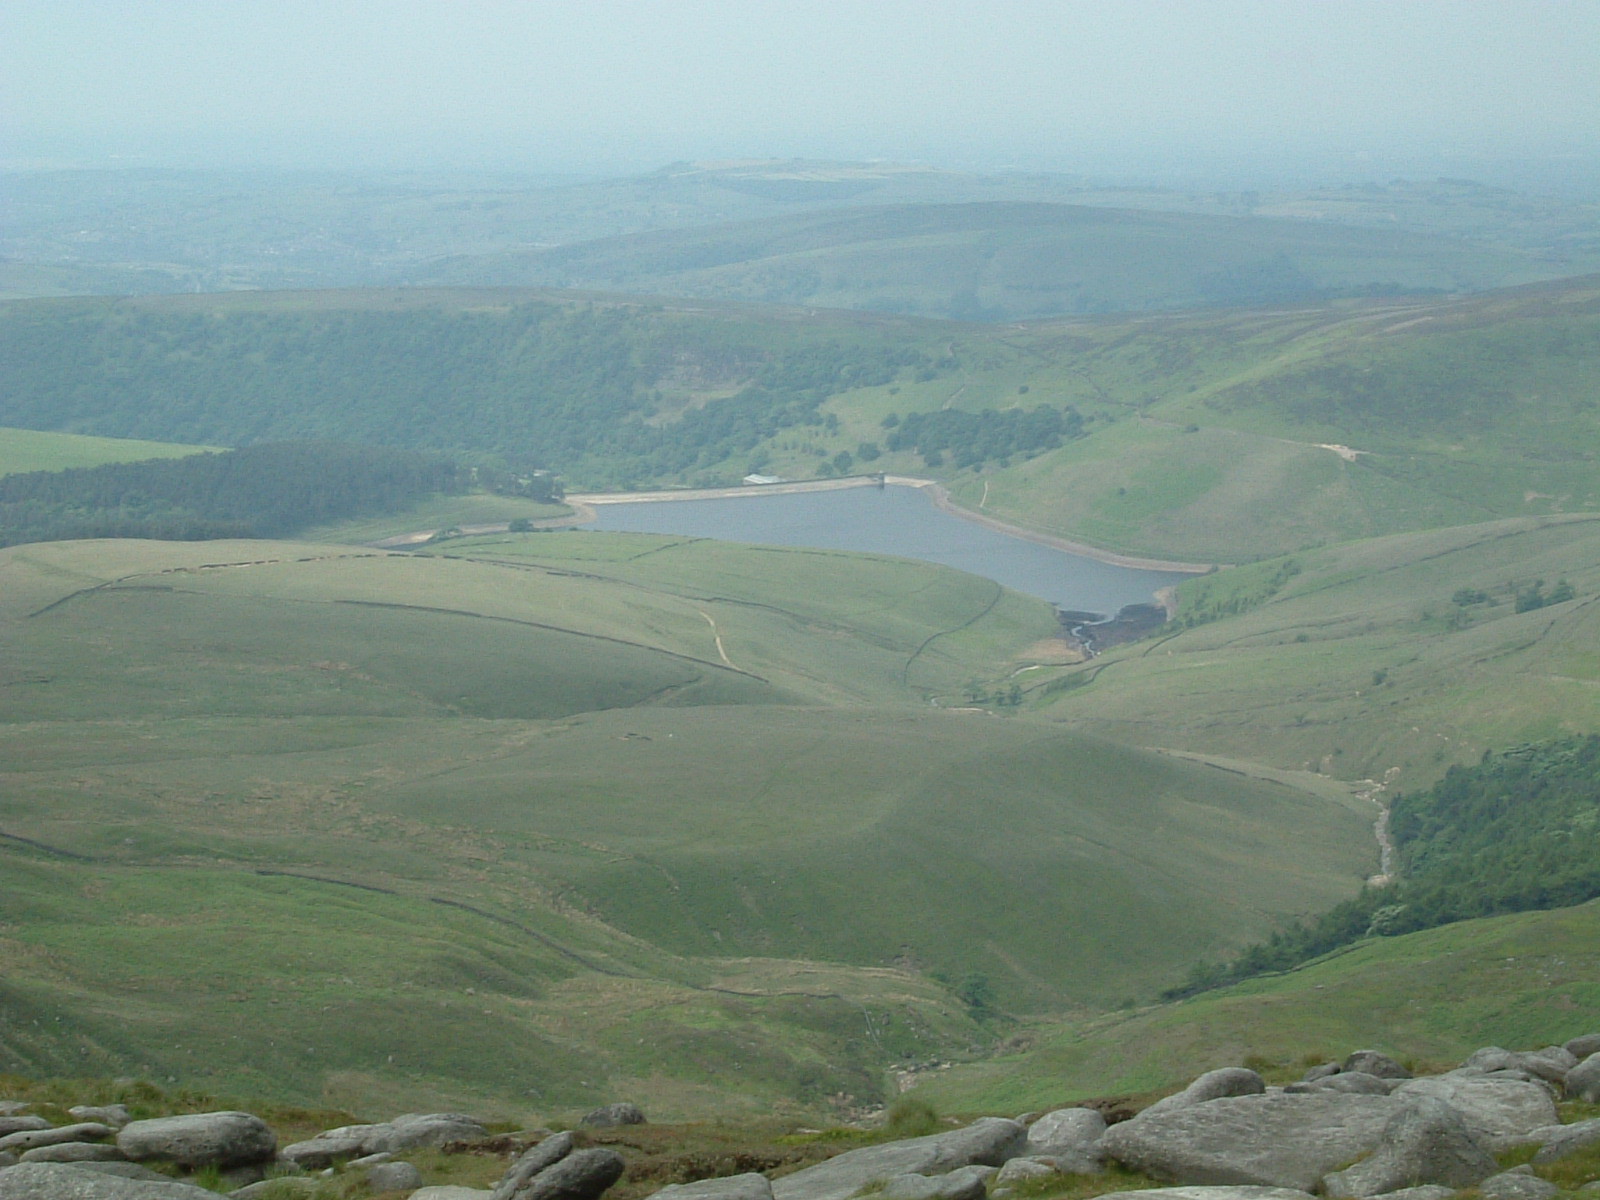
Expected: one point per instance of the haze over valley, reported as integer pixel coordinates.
(830, 576)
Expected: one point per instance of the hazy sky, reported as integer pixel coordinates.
(569, 85)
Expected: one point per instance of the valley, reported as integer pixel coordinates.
(533, 818)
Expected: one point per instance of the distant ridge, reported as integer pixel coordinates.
(1005, 260)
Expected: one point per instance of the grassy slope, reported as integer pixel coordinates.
(1361, 665)
(1005, 261)
(24, 450)
(1430, 997)
(1208, 431)
(186, 716)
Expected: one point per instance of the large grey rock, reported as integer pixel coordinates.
(1321, 1072)
(347, 1141)
(1213, 1085)
(114, 1115)
(581, 1175)
(289, 1187)
(520, 1173)
(613, 1115)
(220, 1139)
(425, 1130)
(394, 1177)
(72, 1181)
(27, 1139)
(1568, 1139)
(1020, 1170)
(18, 1122)
(1517, 1184)
(1498, 1110)
(450, 1192)
(409, 1132)
(1581, 1047)
(1221, 1192)
(988, 1142)
(1427, 1191)
(1374, 1063)
(1071, 1136)
(125, 1170)
(965, 1184)
(74, 1152)
(750, 1186)
(1427, 1141)
(1550, 1064)
(1356, 1083)
(1583, 1081)
(1274, 1140)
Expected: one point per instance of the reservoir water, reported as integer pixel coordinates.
(895, 520)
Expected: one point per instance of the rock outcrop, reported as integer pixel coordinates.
(1498, 1109)
(67, 1181)
(1426, 1142)
(1070, 1137)
(1273, 1140)
(988, 1142)
(218, 1139)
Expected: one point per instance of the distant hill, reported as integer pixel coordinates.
(1223, 435)
(999, 261)
(137, 231)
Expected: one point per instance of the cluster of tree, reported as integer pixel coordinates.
(1534, 596)
(268, 490)
(972, 439)
(580, 385)
(1519, 831)
(1238, 591)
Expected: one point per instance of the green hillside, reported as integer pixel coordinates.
(1215, 436)
(1358, 660)
(1432, 998)
(1218, 437)
(611, 749)
(1006, 261)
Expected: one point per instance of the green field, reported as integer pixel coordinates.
(23, 450)
(1430, 998)
(649, 766)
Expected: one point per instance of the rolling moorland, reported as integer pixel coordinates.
(130, 231)
(1197, 437)
(302, 813)
(1005, 262)
(683, 819)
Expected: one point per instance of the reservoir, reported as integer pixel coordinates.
(895, 520)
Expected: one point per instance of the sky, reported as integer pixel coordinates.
(562, 85)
